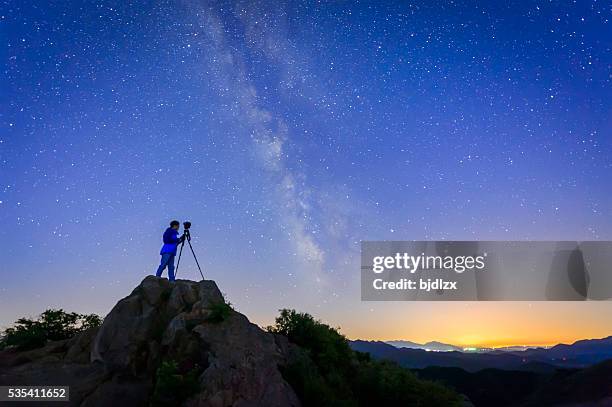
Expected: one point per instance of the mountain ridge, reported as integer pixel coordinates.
(181, 344)
(161, 325)
(429, 346)
(581, 354)
(444, 347)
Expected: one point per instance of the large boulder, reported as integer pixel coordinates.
(185, 324)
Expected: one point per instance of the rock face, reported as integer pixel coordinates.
(185, 323)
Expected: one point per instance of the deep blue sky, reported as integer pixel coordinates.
(287, 132)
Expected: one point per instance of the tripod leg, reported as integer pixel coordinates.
(195, 258)
(179, 259)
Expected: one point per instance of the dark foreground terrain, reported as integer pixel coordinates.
(181, 343)
(565, 375)
(591, 386)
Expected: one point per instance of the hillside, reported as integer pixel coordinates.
(506, 379)
(472, 362)
(586, 387)
(180, 343)
(162, 322)
(577, 355)
(591, 386)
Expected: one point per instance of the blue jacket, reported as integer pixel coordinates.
(171, 241)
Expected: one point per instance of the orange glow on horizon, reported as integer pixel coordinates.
(466, 342)
(478, 324)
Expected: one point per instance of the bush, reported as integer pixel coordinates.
(219, 311)
(51, 325)
(173, 387)
(330, 373)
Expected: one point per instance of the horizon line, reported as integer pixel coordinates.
(500, 345)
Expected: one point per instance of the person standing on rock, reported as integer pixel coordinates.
(168, 251)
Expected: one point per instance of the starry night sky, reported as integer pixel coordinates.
(287, 132)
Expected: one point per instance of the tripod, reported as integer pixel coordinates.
(188, 239)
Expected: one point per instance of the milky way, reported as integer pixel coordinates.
(287, 132)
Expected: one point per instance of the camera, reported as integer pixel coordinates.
(187, 225)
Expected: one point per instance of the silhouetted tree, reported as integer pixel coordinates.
(51, 325)
(329, 373)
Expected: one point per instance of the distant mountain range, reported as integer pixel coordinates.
(429, 346)
(412, 355)
(434, 346)
(579, 374)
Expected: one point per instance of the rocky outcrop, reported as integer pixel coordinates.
(185, 323)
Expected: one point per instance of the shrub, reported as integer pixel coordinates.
(51, 325)
(172, 387)
(329, 373)
(219, 311)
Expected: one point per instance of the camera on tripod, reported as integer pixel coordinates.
(186, 226)
(187, 235)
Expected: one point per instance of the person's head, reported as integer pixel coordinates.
(175, 224)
